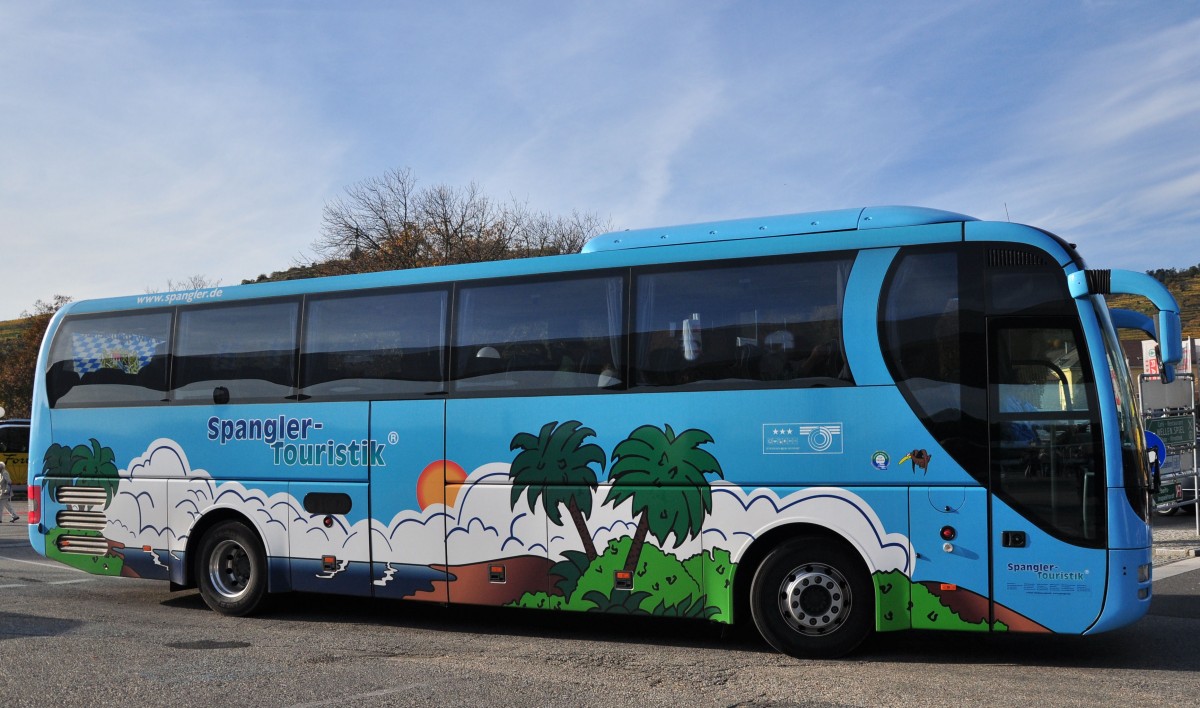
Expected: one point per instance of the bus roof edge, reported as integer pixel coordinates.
(880, 217)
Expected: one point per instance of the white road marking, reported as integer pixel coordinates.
(373, 694)
(48, 565)
(1176, 568)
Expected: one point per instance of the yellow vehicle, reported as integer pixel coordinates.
(14, 451)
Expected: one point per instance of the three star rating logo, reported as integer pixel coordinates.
(802, 438)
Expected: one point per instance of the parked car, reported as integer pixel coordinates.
(1176, 494)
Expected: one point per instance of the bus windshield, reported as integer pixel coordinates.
(1132, 435)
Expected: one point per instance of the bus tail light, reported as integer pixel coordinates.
(35, 504)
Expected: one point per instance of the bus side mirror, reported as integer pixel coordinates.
(1170, 338)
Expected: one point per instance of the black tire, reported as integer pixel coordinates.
(812, 598)
(231, 569)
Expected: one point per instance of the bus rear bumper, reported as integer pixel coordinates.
(1127, 599)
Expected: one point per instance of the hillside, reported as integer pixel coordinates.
(1184, 285)
(9, 330)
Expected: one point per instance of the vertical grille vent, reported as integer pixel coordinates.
(85, 512)
(1007, 258)
(1099, 281)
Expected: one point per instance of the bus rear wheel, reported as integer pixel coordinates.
(812, 598)
(231, 569)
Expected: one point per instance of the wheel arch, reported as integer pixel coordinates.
(276, 581)
(754, 555)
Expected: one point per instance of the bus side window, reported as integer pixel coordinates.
(374, 344)
(931, 332)
(743, 323)
(249, 350)
(545, 334)
(60, 379)
(109, 360)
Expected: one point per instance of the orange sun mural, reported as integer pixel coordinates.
(439, 483)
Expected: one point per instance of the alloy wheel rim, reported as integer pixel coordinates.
(229, 569)
(814, 599)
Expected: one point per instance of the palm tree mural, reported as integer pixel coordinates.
(94, 464)
(57, 461)
(556, 466)
(664, 475)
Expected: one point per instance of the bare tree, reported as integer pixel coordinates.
(386, 222)
(542, 234)
(375, 225)
(192, 282)
(464, 226)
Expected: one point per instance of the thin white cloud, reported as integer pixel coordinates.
(602, 114)
(128, 166)
(156, 144)
(1107, 155)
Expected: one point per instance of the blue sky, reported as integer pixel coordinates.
(146, 141)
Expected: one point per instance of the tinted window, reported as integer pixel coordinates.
(249, 351)
(743, 323)
(113, 360)
(373, 345)
(1025, 281)
(1039, 370)
(932, 334)
(14, 438)
(1045, 455)
(1020, 422)
(540, 335)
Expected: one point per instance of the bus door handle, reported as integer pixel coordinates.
(1013, 539)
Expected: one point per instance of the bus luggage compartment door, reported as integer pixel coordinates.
(950, 534)
(328, 537)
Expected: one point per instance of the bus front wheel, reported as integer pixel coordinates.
(231, 569)
(812, 598)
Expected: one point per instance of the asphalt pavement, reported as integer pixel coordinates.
(69, 638)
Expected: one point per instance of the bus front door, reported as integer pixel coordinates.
(1049, 562)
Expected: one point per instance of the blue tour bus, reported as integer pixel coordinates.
(828, 424)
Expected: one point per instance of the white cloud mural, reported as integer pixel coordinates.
(161, 497)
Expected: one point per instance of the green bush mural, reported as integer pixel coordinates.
(664, 476)
(82, 465)
(899, 598)
(665, 585)
(92, 465)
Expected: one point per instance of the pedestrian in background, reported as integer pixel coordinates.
(6, 494)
